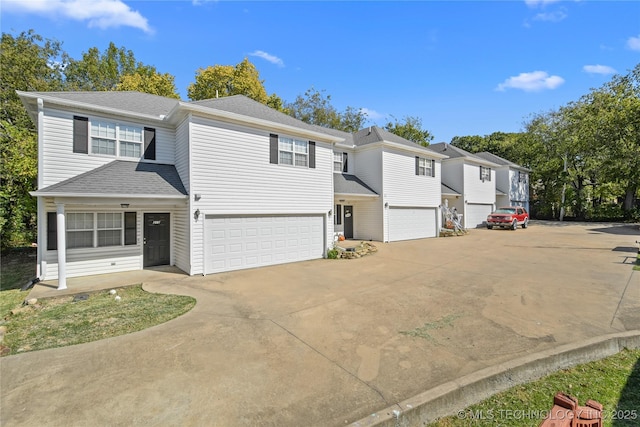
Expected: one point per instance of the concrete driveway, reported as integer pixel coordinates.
(328, 342)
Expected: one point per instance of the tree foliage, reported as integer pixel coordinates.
(585, 155)
(116, 69)
(148, 80)
(226, 80)
(314, 107)
(28, 63)
(411, 130)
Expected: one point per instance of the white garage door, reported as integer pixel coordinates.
(411, 223)
(476, 215)
(237, 242)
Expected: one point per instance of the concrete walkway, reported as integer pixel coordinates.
(329, 342)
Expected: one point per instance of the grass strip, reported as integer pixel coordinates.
(613, 381)
(63, 321)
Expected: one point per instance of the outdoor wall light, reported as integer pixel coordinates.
(197, 197)
(386, 205)
(330, 212)
(196, 214)
(124, 205)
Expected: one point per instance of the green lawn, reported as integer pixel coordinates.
(613, 381)
(61, 321)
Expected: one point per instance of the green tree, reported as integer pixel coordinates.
(148, 80)
(96, 71)
(226, 80)
(411, 130)
(314, 107)
(27, 63)
(612, 122)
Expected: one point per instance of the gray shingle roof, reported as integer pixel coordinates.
(499, 160)
(445, 189)
(456, 152)
(240, 104)
(374, 134)
(122, 178)
(135, 102)
(351, 184)
(450, 150)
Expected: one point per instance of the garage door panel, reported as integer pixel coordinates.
(238, 242)
(477, 214)
(412, 223)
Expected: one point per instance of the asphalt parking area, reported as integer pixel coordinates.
(328, 342)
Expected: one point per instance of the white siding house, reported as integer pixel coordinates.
(472, 184)
(392, 193)
(512, 181)
(138, 180)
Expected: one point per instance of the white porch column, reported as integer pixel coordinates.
(62, 246)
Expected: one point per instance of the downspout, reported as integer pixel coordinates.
(41, 266)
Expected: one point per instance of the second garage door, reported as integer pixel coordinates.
(238, 242)
(411, 223)
(476, 214)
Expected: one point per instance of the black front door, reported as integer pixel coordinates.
(156, 239)
(348, 222)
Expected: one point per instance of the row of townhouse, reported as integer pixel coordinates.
(137, 180)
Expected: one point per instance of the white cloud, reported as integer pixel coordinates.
(97, 13)
(268, 57)
(599, 69)
(531, 82)
(536, 3)
(633, 43)
(201, 2)
(372, 114)
(556, 16)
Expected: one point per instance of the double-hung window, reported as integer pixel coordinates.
(109, 229)
(79, 230)
(130, 141)
(340, 162)
(110, 139)
(103, 138)
(522, 177)
(337, 162)
(485, 173)
(293, 152)
(425, 167)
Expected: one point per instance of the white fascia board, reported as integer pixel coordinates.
(260, 123)
(105, 196)
(355, 195)
(85, 106)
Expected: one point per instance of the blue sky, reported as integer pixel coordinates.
(462, 67)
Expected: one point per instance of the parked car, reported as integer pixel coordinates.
(508, 217)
